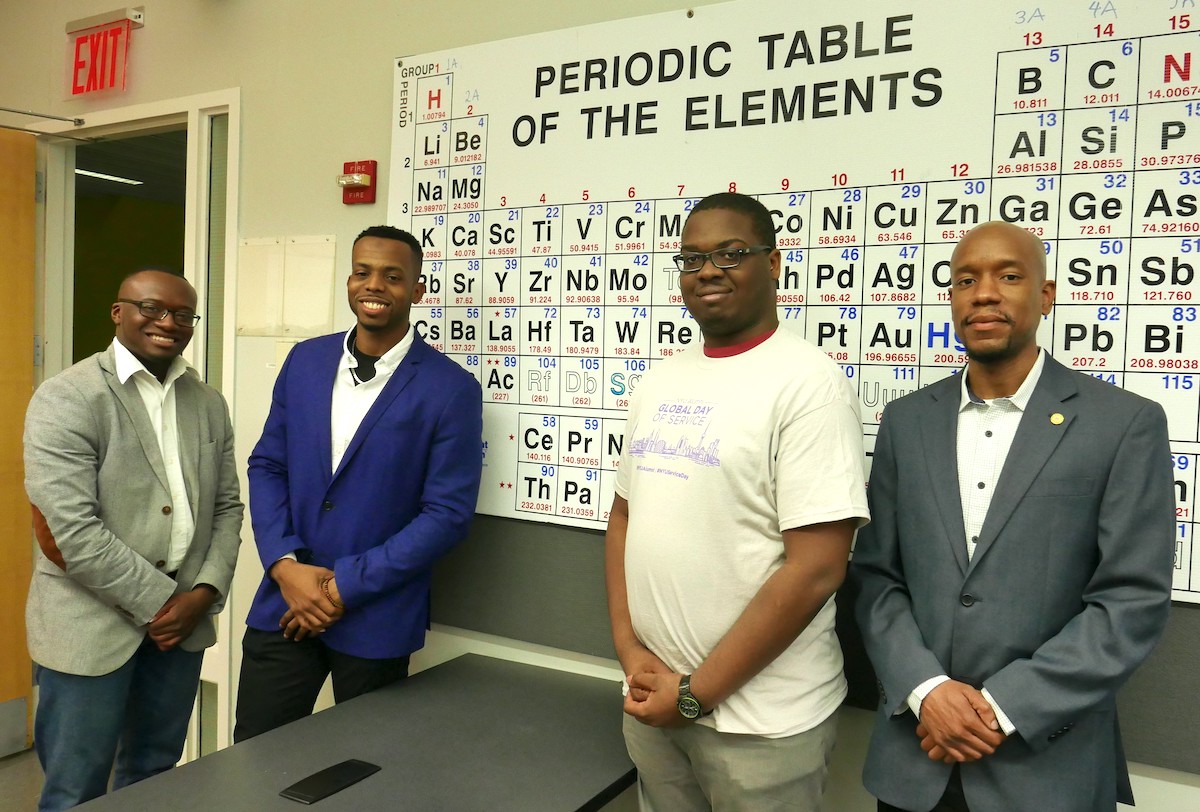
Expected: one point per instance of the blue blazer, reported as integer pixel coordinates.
(403, 495)
(1066, 595)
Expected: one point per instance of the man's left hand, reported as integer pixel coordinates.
(932, 749)
(294, 630)
(658, 707)
(178, 617)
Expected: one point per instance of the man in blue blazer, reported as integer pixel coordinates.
(367, 471)
(1017, 568)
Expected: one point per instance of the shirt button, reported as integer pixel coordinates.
(966, 600)
(987, 434)
(981, 486)
(166, 510)
(975, 538)
(160, 564)
(327, 505)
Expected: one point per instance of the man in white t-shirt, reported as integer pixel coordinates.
(738, 494)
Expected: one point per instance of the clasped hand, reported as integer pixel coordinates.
(653, 689)
(309, 611)
(178, 617)
(958, 724)
(652, 699)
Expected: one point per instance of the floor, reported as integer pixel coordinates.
(20, 782)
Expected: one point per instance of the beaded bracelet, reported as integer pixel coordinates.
(325, 588)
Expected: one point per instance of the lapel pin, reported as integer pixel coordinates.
(1056, 419)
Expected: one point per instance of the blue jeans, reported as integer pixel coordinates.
(136, 716)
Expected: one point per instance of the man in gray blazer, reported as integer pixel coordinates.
(130, 472)
(1017, 568)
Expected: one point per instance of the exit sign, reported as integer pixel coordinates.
(97, 58)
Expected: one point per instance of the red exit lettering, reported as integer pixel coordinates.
(98, 61)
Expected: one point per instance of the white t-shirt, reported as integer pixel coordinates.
(721, 455)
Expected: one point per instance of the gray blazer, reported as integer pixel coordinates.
(101, 505)
(1066, 595)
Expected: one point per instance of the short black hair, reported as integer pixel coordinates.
(167, 269)
(398, 234)
(760, 218)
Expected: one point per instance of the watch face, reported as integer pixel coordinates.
(689, 708)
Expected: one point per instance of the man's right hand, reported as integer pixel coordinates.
(637, 659)
(300, 585)
(958, 724)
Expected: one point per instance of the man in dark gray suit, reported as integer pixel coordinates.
(1017, 568)
(130, 472)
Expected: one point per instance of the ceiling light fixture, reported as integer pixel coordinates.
(103, 176)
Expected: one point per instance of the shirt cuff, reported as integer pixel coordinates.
(1005, 723)
(291, 556)
(921, 691)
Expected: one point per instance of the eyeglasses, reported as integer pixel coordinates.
(723, 258)
(156, 312)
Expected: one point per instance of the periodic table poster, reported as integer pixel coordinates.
(548, 178)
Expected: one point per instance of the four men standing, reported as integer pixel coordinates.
(1016, 572)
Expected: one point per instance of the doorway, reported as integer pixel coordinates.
(130, 204)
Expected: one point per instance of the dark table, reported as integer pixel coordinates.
(474, 733)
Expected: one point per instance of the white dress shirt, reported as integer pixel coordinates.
(160, 405)
(352, 399)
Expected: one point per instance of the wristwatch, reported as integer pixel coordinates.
(689, 706)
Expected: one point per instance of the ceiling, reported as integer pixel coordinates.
(158, 160)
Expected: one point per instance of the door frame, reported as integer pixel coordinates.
(57, 260)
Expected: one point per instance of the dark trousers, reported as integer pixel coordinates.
(953, 799)
(281, 679)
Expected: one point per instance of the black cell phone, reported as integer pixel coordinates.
(329, 780)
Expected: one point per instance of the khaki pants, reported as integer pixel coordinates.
(697, 769)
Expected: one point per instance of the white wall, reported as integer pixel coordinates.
(315, 85)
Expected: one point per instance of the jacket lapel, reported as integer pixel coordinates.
(940, 439)
(127, 395)
(401, 377)
(322, 413)
(1037, 438)
(187, 416)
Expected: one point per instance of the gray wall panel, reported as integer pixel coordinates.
(1160, 706)
(529, 581)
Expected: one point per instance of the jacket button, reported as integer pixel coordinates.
(166, 510)
(327, 505)
(966, 600)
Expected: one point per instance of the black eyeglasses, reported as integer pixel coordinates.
(721, 258)
(156, 312)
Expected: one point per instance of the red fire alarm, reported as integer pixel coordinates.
(358, 182)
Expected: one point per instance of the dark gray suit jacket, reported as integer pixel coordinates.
(98, 487)
(1066, 594)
